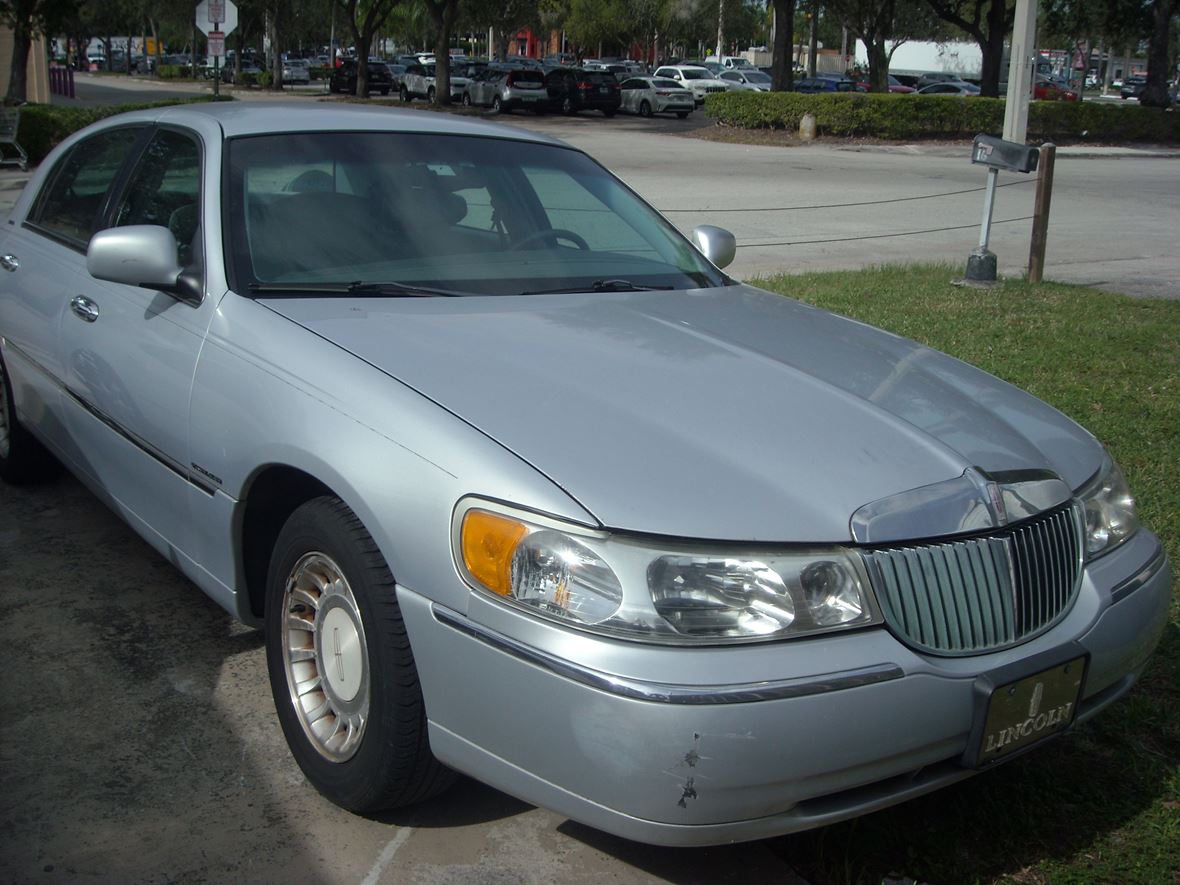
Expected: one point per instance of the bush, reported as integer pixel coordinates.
(320, 72)
(939, 116)
(174, 72)
(265, 79)
(43, 126)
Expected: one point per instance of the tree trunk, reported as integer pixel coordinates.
(813, 39)
(442, 61)
(17, 84)
(720, 29)
(783, 70)
(276, 57)
(993, 49)
(878, 62)
(1155, 93)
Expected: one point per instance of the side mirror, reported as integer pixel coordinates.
(142, 255)
(715, 243)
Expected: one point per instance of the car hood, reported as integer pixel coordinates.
(727, 413)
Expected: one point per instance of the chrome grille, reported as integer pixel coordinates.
(977, 594)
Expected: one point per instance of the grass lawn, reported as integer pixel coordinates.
(1102, 804)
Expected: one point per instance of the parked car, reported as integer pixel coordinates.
(750, 79)
(418, 81)
(505, 90)
(572, 90)
(296, 70)
(731, 62)
(895, 86)
(698, 80)
(465, 427)
(1048, 89)
(813, 85)
(950, 87)
(1133, 87)
(249, 71)
(343, 78)
(655, 95)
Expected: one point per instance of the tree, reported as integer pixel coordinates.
(27, 19)
(988, 29)
(782, 74)
(505, 18)
(883, 25)
(364, 18)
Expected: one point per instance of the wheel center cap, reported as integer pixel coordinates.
(342, 654)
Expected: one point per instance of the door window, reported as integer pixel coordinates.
(69, 206)
(165, 189)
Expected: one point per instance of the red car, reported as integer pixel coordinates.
(1046, 89)
(895, 85)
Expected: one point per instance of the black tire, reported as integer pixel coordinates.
(608, 112)
(430, 95)
(645, 108)
(682, 114)
(466, 99)
(567, 107)
(405, 93)
(388, 762)
(385, 91)
(23, 460)
(497, 105)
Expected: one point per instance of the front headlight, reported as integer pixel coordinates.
(1110, 510)
(658, 592)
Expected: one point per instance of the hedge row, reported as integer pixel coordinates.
(43, 126)
(940, 116)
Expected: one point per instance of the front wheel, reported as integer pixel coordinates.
(645, 108)
(608, 112)
(341, 670)
(22, 458)
(466, 99)
(682, 114)
(404, 93)
(497, 105)
(385, 91)
(430, 95)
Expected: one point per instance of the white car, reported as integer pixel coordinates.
(655, 95)
(296, 70)
(699, 81)
(418, 82)
(750, 80)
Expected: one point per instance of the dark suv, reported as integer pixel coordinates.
(573, 89)
(343, 79)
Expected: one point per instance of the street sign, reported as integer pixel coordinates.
(225, 25)
(216, 44)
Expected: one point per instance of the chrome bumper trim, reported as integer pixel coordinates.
(1141, 577)
(659, 692)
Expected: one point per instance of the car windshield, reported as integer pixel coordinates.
(755, 77)
(460, 213)
(690, 74)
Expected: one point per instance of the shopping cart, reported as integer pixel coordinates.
(9, 123)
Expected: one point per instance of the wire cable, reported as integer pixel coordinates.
(907, 233)
(970, 190)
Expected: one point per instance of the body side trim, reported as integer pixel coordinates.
(658, 692)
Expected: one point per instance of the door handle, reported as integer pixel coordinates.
(84, 308)
(9, 262)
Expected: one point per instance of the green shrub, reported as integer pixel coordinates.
(43, 126)
(174, 72)
(320, 72)
(939, 116)
(265, 79)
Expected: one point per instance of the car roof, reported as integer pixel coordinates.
(238, 118)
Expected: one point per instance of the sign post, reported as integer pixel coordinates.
(216, 19)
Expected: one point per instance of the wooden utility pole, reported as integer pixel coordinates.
(1040, 227)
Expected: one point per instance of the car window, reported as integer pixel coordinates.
(633, 84)
(690, 74)
(165, 189)
(731, 75)
(71, 201)
(665, 84)
(482, 215)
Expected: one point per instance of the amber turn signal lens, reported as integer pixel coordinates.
(489, 542)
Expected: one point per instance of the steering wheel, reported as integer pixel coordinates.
(552, 233)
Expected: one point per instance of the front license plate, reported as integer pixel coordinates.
(1021, 713)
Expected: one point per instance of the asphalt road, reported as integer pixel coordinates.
(137, 735)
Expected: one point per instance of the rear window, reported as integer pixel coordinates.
(665, 84)
(599, 79)
(527, 77)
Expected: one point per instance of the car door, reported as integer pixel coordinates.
(130, 353)
(45, 254)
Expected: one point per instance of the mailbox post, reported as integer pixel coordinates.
(996, 154)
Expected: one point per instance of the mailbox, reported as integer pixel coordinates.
(988, 150)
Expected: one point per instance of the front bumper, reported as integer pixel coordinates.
(696, 746)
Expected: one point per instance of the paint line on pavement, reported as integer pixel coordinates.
(385, 858)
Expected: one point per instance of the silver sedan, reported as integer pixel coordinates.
(520, 484)
(655, 95)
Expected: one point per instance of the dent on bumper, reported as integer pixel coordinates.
(731, 763)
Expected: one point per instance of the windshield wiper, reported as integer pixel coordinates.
(600, 286)
(359, 289)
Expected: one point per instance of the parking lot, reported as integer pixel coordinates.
(139, 737)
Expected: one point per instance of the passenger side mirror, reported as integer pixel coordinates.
(143, 255)
(715, 243)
